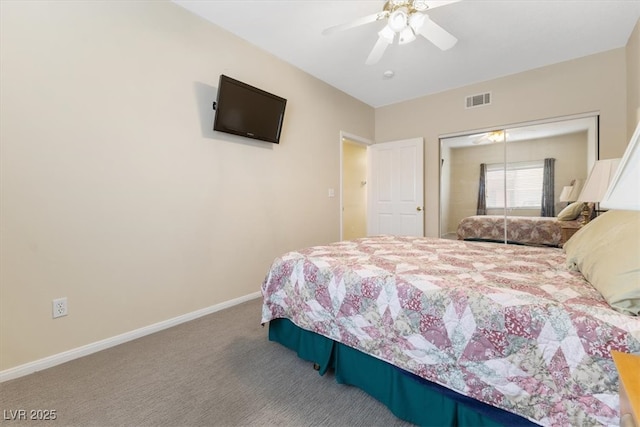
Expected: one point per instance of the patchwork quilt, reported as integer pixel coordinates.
(510, 326)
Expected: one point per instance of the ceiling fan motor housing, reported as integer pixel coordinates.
(405, 18)
(410, 5)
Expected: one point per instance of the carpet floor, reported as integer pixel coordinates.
(218, 370)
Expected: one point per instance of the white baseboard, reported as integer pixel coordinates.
(85, 350)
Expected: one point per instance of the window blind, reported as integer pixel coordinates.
(523, 181)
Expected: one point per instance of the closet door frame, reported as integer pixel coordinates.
(448, 216)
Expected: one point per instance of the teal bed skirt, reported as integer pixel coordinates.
(409, 397)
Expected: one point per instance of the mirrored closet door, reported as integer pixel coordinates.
(506, 185)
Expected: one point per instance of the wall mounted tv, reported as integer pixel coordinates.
(244, 110)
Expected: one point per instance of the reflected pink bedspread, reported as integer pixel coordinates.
(539, 231)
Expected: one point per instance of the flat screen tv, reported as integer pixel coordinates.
(244, 110)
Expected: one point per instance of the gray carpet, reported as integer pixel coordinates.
(219, 370)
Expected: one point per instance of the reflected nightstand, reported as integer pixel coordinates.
(568, 230)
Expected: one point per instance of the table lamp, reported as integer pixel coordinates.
(597, 183)
(624, 191)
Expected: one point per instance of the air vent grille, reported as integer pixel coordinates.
(478, 100)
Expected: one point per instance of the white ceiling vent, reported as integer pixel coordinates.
(478, 100)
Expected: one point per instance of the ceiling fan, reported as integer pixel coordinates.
(489, 137)
(406, 18)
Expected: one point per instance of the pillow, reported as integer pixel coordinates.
(571, 212)
(607, 253)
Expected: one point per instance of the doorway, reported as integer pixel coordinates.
(353, 183)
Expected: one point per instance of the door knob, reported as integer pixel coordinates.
(418, 208)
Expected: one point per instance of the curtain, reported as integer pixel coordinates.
(548, 196)
(482, 196)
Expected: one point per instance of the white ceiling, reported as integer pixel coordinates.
(495, 38)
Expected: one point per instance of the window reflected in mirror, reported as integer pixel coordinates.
(499, 185)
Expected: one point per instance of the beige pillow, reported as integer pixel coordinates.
(607, 253)
(571, 212)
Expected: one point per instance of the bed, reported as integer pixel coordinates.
(524, 230)
(449, 332)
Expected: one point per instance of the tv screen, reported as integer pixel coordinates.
(244, 110)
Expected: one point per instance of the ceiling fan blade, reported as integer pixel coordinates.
(378, 50)
(360, 21)
(481, 140)
(436, 34)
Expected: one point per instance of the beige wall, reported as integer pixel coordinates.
(588, 84)
(633, 81)
(117, 194)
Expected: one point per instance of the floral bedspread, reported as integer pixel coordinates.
(506, 325)
(543, 231)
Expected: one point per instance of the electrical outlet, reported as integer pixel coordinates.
(59, 307)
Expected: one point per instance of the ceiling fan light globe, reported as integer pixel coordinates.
(416, 21)
(398, 20)
(406, 36)
(387, 33)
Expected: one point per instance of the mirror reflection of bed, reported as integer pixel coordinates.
(536, 161)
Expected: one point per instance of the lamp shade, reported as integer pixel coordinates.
(570, 193)
(566, 191)
(598, 180)
(624, 191)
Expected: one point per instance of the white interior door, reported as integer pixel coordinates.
(397, 188)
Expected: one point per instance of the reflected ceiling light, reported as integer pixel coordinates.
(489, 137)
(496, 136)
